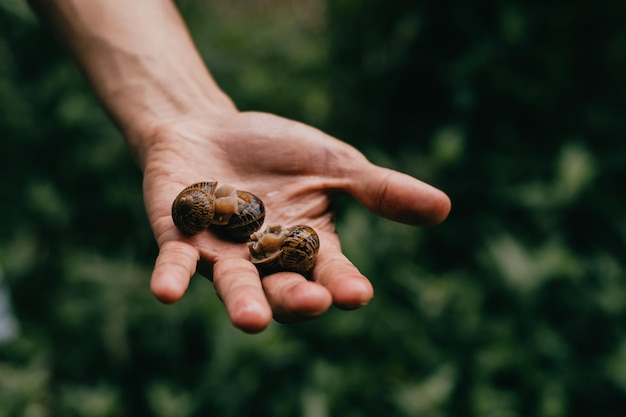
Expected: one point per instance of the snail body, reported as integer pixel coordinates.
(248, 219)
(233, 213)
(281, 248)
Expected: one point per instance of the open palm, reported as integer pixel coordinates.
(297, 171)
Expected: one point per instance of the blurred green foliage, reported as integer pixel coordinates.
(515, 306)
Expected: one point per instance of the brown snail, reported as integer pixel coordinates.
(281, 248)
(248, 219)
(233, 213)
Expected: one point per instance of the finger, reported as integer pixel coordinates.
(173, 268)
(238, 284)
(399, 197)
(294, 299)
(348, 287)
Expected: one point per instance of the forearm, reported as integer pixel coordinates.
(139, 58)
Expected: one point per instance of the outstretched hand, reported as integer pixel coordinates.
(297, 171)
(144, 67)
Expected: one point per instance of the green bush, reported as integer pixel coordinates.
(515, 306)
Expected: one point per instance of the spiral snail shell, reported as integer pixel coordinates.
(281, 248)
(233, 213)
(193, 209)
(248, 219)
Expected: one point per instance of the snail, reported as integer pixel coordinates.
(281, 248)
(193, 209)
(233, 213)
(248, 219)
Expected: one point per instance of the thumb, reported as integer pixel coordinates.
(398, 196)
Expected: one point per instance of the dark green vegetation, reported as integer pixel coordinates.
(515, 306)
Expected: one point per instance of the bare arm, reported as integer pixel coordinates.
(139, 59)
(144, 67)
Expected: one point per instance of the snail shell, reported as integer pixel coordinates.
(194, 207)
(281, 248)
(233, 213)
(248, 219)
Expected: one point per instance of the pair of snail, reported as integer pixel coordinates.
(238, 215)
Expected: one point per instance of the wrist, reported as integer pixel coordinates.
(162, 124)
(150, 97)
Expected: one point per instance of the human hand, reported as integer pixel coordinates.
(297, 171)
(143, 66)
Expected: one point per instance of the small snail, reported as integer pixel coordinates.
(193, 209)
(281, 248)
(248, 219)
(233, 213)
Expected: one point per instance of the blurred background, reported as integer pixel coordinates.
(515, 306)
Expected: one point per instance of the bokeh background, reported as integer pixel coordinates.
(515, 306)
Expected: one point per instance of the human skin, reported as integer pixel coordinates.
(182, 128)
